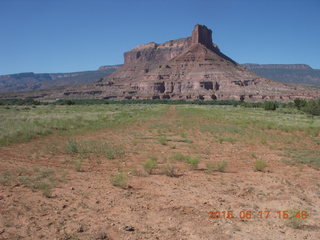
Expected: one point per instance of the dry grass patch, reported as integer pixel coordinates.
(42, 179)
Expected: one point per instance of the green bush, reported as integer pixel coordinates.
(149, 165)
(120, 180)
(180, 157)
(270, 105)
(221, 166)
(260, 165)
(193, 162)
(312, 107)
(299, 103)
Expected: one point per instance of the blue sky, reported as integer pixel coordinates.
(77, 35)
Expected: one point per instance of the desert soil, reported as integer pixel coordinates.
(86, 205)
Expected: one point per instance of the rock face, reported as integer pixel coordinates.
(187, 68)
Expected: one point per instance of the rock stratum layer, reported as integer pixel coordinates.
(187, 68)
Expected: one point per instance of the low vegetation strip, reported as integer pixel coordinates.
(22, 123)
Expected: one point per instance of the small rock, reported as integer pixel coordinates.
(80, 229)
(129, 228)
(2, 231)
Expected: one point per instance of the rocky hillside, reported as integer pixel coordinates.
(287, 73)
(38, 81)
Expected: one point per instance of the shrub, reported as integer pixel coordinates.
(299, 103)
(193, 162)
(163, 140)
(260, 165)
(70, 102)
(149, 165)
(270, 105)
(77, 164)
(312, 107)
(210, 167)
(169, 170)
(112, 151)
(120, 180)
(72, 146)
(221, 166)
(180, 157)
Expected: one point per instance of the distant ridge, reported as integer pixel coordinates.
(287, 73)
(38, 81)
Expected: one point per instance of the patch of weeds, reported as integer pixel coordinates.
(63, 177)
(52, 149)
(163, 140)
(260, 165)
(183, 134)
(138, 172)
(184, 140)
(316, 140)
(45, 188)
(169, 170)
(96, 148)
(193, 163)
(221, 166)
(135, 172)
(77, 164)
(218, 166)
(113, 151)
(264, 142)
(226, 139)
(72, 146)
(120, 180)
(149, 165)
(5, 178)
(222, 129)
(179, 157)
(210, 167)
(42, 179)
(308, 157)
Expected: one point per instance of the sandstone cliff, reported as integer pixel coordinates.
(187, 68)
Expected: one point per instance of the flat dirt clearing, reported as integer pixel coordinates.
(155, 172)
